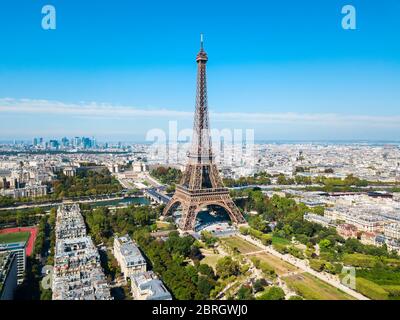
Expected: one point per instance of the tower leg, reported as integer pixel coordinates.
(188, 220)
(234, 212)
(172, 204)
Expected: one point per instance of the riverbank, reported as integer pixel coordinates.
(104, 201)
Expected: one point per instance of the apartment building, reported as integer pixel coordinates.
(392, 230)
(347, 230)
(17, 248)
(8, 275)
(77, 272)
(322, 220)
(33, 191)
(368, 238)
(367, 223)
(128, 256)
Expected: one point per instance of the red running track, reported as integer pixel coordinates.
(32, 237)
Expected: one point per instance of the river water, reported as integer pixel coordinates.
(120, 202)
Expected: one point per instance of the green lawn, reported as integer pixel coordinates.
(305, 284)
(211, 260)
(164, 226)
(371, 289)
(312, 288)
(281, 267)
(210, 257)
(278, 240)
(14, 237)
(242, 245)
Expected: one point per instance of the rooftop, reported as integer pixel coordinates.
(151, 287)
(130, 251)
(77, 271)
(12, 246)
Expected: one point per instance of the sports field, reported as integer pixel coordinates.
(14, 237)
(27, 234)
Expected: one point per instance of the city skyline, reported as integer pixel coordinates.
(289, 71)
(207, 152)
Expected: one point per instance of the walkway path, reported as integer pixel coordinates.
(332, 280)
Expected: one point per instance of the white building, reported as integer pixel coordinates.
(324, 221)
(146, 286)
(139, 167)
(69, 171)
(34, 191)
(77, 271)
(18, 248)
(392, 230)
(367, 223)
(128, 256)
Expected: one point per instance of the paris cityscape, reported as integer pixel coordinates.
(90, 210)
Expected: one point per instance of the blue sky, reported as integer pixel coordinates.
(115, 69)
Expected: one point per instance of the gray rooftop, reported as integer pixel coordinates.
(130, 251)
(149, 282)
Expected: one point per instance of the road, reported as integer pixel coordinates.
(151, 180)
(55, 203)
(301, 264)
(272, 187)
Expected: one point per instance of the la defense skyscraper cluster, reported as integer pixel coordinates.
(201, 184)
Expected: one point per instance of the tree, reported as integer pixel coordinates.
(208, 238)
(258, 223)
(227, 267)
(6, 201)
(205, 285)
(206, 270)
(283, 180)
(273, 293)
(46, 295)
(296, 298)
(195, 253)
(324, 244)
(168, 260)
(320, 210)
(303, 180)
(180, 245)
(169, 175)
(259, 285)
(245, 293)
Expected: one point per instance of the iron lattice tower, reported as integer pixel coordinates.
(201, 184)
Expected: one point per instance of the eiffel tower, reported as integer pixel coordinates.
(201, 184)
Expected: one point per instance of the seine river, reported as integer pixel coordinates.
(120, 202)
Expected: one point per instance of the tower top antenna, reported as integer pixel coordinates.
(202, 55)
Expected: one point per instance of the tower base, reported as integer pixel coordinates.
(192, 201)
